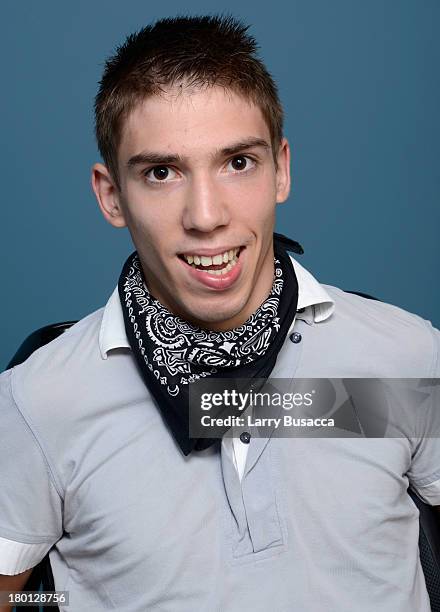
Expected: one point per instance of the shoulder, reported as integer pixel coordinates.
(59, 369)
(37, 396)
(79, 342)
(392, 339)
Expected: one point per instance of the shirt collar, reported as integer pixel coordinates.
(311, 296)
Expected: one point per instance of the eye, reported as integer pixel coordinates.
(160, 174)
(239, 163)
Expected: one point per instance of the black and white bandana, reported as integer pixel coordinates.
(172, 353)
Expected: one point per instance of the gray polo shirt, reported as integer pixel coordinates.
(89, 470)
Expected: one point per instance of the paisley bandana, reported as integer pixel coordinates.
(172, 353)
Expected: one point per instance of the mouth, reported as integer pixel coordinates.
(218, 264)
(215, 270)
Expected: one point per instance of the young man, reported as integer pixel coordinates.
(98, 466)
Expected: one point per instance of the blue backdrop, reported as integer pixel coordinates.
(360, 85)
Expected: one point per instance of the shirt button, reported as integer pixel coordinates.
(245, 437)
(295, 337)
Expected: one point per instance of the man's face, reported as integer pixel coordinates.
(198, 185)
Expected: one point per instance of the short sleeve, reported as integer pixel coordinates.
(30, 505)
(424, 473)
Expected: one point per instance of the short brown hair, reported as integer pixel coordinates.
(196, 51)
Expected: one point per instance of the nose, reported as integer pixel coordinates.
(205, 208)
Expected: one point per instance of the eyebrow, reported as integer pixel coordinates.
(153, 157)
(243, 145)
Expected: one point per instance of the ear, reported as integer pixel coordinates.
(108, 196)
(283, 172)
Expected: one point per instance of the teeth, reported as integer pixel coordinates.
(224, 270)
(217, 260)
